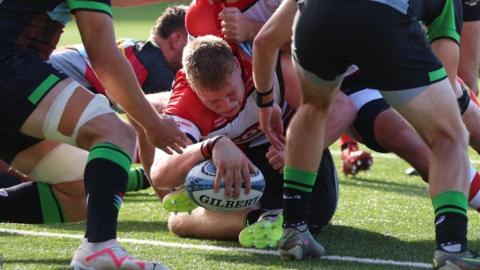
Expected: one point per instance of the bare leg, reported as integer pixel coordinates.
(448, 53)
(305, 139)
(470, 55)
(76, 116)
(200, 224)
(471, 118)
(395, 134)
(445, 135)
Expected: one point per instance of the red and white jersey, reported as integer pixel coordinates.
(202, 16)
(198, 122)
(152, 70)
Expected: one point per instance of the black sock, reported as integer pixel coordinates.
(8, 180)
(451, 230)
(297, 192)
(106, 177)
(31, 202)
(451, 221)
(137, 180)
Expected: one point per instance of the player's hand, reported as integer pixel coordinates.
(166, 135)
(232, 166)
(276, 158)
(235, 26)
(270, 121)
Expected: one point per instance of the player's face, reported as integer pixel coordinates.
(227, 100)
(181, 41)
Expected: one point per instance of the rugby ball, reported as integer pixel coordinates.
(199, 186)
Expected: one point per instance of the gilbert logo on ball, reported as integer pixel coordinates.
(199, 185)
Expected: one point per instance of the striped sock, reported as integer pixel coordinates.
(451, 221)
(297, 189)
(31, 202)
(8, 180)
(474, 193)
(137, 180)
(106, 176)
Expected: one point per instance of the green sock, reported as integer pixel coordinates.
(51, 209)
(137, 179)
(32, 203)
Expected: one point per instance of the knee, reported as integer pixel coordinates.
(118, 128)
(314, 108)
(450, 137)
(127, 131)
(319, 104)
(108, 128)
(346, 106)
(177, 225)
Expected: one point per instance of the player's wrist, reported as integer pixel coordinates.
(265, 98)
(206, 148)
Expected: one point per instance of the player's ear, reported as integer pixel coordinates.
(177, 40)
(236, 64)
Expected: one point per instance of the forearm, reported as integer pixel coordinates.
(264, 62)
(254, 27)
(169, 171)
(273, 35)
(112, 68)
(125, 90)
(448, 52)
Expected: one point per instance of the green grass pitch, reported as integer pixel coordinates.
(384, 218)
(384, 221)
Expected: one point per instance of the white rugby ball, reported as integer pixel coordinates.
(199, 185)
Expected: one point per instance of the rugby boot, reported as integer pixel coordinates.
(296, 244)
(412, 172)
(456, 261)
(265, 232)
(355, 160)
(108, 255)
(178, 201)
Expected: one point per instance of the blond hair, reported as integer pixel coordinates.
(207, 60)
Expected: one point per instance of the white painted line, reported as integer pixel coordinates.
(217, 248)
(388, 155)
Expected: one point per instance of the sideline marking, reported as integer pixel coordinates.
(389, 156)
(218, 248)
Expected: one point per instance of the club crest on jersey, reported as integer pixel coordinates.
(220, 121)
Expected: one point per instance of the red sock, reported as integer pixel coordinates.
(345, 140)
(472, 95)
(473, 199)
(474, 98)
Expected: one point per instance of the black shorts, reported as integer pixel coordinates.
(24, 80)
(324, 195)
(389, 47)
(9, 147)
(471, 10)
(364, 123)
